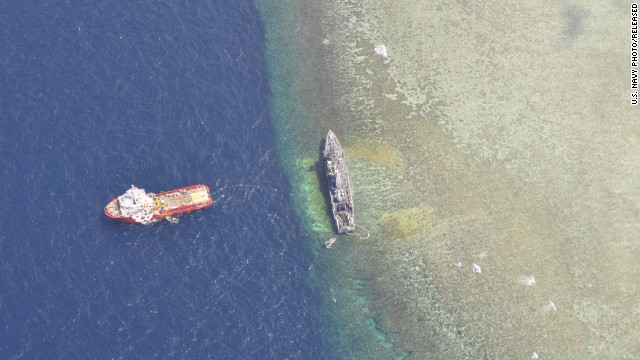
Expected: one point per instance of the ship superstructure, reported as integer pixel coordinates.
(138, 206)
(339, 184)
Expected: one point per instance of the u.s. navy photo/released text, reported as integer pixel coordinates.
(634, 53)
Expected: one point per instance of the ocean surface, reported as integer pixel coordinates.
(491, 148)
(97, 96)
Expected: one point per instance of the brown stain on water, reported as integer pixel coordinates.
(404, 223)
(382, 153)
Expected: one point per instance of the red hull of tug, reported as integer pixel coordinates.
(162, 205)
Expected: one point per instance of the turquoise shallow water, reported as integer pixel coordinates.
(296, 69)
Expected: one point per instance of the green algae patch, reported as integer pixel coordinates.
(308, 198)
(406, 222)
(383, 154)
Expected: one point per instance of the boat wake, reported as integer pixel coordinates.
(227, 195)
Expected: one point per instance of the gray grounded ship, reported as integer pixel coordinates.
(339, 184)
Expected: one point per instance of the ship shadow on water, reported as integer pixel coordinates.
(319, 169)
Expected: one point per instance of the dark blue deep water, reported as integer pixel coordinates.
(98, 95)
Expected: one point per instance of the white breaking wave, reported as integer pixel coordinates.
(381, 50)
(476, 268)
(549, 307)
(526, 280)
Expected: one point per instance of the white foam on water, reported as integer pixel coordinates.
(549, 307)
(381, 50)
(476, 268)
(526, 280)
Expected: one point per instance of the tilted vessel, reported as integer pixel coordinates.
(339, 184)
(138, 206)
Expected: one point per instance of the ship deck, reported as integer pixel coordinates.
(172, 200)
(339, 184)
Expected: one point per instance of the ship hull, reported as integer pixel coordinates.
(339, 184)
(154, 207)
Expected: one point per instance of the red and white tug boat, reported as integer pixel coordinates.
(138, 206)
